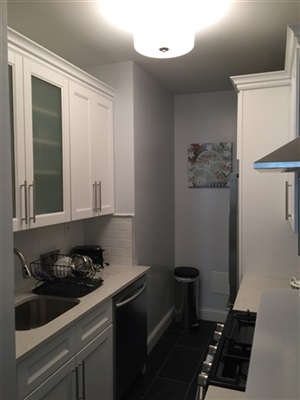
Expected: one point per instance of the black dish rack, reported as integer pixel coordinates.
(57, 278)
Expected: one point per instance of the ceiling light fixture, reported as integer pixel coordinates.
(163, 28)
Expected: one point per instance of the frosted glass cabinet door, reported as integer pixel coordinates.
(46, 144)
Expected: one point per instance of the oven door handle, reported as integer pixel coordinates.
(133, 295)
(200, 393)
(202, 385)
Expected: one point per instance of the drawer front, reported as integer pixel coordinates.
(93, 324)
(38, 366)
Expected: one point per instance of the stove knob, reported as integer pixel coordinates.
(212, 349)
(217, 336)
(219, 327)
(211, 353)
(206, 366)
(202, 384)
(202, 379)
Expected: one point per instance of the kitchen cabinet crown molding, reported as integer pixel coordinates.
(260, 81)
(276, 78)
(22, 43)
(292, 43)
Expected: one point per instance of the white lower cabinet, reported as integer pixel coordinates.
(94, 368)
(87, 376)
(77, 364)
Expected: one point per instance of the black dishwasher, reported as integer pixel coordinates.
(130, 323)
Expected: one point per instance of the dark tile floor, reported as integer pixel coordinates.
(173, 365)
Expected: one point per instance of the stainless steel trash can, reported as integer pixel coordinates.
(186, 296)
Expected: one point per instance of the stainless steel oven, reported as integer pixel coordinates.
(228, 357)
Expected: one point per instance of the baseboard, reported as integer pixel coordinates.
(208, 314)
(158, 331)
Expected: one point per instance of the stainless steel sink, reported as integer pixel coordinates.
(39, 310)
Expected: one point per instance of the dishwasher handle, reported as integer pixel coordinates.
(129, 299)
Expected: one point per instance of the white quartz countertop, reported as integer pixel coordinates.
(251, 289)
(217, 393)
(248, 298)
(115, 279)
(274, 364)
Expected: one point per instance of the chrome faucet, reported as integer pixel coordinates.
(25, 269)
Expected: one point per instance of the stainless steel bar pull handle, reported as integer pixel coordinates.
(100, 196)
(77, 383)
(25, 202)
(95, 196)
(80, 388)
(32, 185)
(83, 380)
(287, 213)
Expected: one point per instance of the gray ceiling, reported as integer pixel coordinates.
(250, 39)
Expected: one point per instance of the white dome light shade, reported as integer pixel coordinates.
(159, 44)
(163, 24)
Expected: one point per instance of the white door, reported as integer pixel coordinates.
(83, 191)
(91, 130)
(16, 97)
(46, 144)
(102, 154)
(95, 365)
(40, 143)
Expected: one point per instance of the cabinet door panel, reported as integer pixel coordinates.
(102, 152)
(96, 362)
(292, 188)
(80, 129)
(46, 144)
(92, 179)
(17, 138)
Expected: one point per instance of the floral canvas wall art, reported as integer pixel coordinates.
(209, 164)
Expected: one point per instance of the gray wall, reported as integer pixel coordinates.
(154, 189)
(144, 169)
(7, 328)
(202, 213)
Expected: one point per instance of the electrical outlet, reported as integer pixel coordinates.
(220, 282)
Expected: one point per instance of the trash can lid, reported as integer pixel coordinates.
(186, 272)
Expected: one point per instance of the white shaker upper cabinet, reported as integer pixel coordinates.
(91, 135)
(291, 212)
(40, 143)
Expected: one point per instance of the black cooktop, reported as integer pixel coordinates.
(231, 361)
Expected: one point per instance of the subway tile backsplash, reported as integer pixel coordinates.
(115, 234)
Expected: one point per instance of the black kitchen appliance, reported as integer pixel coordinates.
(95, 252)
(130, 334)
(228, 358)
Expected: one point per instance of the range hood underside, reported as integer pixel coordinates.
(284, 159)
